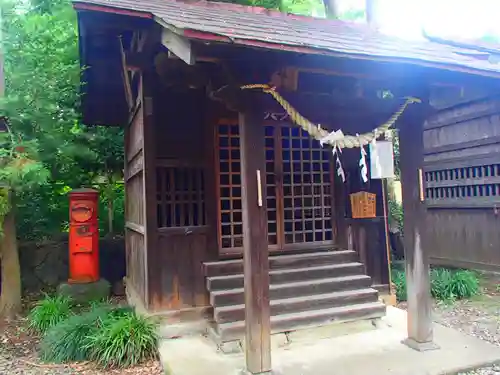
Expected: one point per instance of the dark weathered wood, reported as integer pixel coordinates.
(235, 266)
(292, 290)
(289, 275)
(463, 145)
(300, 304)
(463, 185)
(464, 112)
(147, 89)
(255, 250)
(181, 256)
(370, 242)
(134, 209)
(420, 332)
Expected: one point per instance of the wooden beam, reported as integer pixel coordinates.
(126, 77)
(178, 45)
(420, 333)
(255, 243)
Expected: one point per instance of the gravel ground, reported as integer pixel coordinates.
(479, 317)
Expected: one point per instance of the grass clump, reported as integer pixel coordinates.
(465, 284)
(111, 336)
(446, 285)
(48, 313)
(124, 339)
(67, 341)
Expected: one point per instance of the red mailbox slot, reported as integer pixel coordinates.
(83, 236)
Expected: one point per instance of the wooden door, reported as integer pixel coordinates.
(298, 183)
(305, 174)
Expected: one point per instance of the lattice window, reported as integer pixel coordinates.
(306, 188)
(180, 196)
(230, 187)
(272, 201)
(463, 183)
(231, 215)
(297, 183)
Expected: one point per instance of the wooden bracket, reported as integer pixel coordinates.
(178, 45)
(126, 76)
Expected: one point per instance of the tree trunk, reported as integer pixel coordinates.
(10, 294)
(332, 9)
(110, 216)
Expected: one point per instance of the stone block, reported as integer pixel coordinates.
(231, 347)
(88, 292)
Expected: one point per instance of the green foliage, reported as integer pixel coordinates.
(446, 285)
(111, 336)
(399, 280)
(395, 214)
(68, 340)
(47, 150)
(49, 312)
(122, 341)
(441, 282)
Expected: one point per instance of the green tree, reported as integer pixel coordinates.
(46, 148)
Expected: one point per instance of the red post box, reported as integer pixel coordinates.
(83, 236)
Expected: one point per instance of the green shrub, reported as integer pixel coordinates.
(399, 280)
(446, 285)
(464, 284)
(68, 340)
(49, 312)
(441, 282)
(124, 339)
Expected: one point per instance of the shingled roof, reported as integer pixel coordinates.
(274, 30)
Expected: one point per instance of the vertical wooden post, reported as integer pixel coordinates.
(148, 80)
(255, 243)
(420, 335)
(340, 227)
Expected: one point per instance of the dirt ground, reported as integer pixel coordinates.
(18, 354)
(479, 317)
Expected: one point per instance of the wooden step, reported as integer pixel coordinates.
(294, 321)
(294, 289)
(235, 313)
(281, 276)
(235, 266)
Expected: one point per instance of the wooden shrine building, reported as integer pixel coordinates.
(234, 212)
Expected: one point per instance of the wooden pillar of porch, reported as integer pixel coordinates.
(420, 332)
(255, 242)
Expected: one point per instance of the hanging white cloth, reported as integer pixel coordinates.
(376, 158)
(363, 166)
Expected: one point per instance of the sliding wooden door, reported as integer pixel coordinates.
(298, 186)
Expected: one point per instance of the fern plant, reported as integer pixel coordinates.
(49, 312)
